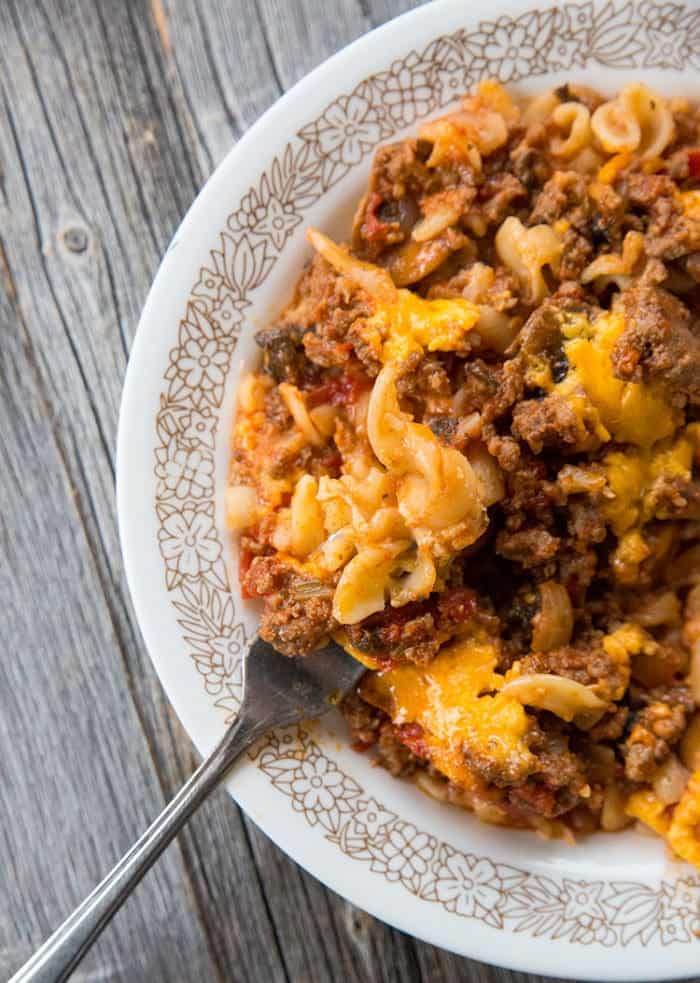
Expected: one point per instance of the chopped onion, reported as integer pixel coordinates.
(665, 609)
(241, 506)
(488, 473)
(694, 674)
(311, 588)
(685, 569)
(670, 781)
(414, 260)
(613, 816)
(553, 624)
(690, 745)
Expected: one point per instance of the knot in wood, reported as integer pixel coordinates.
(76, 239)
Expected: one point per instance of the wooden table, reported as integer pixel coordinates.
(113, 114)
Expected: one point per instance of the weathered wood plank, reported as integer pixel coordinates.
(302, 36)
(65, 721)
(220, 53)
(61, 243)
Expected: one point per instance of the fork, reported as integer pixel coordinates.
(277, 691)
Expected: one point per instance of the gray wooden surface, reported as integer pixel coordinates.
(112, 114)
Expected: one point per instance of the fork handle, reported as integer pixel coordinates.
(62, 951)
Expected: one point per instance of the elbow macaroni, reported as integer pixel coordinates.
(638, 121)
(575, 120)
(527, 251)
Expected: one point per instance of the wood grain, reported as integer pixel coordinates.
(111, 117)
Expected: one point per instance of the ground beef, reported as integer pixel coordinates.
(529, 165)
(585, 523)
(549, 422)
(390, 208)
(296, 626)
(324, 308)
(393, 754)
(576, 572)
(283, 353)
(413, 639)
(564, 196)
(510, 385)
(276, 413)
(669, 234)
(446, 429)
(541, 333)
(414, 632)
(490, 390)
(325, 350)
(592, 224)
(286, 458)
(670, 496)
(363, 720)
(611, 727)
(586, 662)
(577, 254)
(529, 495)
(371, 728)
(506, 450)
(557, 779)
(656, 729)
(528, 547)
(427, 385)
(480, 383)
(516, 614)
(294, 620)
(497, 195)
(660, 342)
(605, 221)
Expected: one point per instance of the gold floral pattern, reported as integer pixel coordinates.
(573, 35)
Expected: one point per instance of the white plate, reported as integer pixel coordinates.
(611, 908)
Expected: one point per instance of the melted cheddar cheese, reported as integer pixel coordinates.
(627, 412)
(453, 700)
(691, 203)
(409, 324)
(402, 323)
(631, 475)
(646, 807)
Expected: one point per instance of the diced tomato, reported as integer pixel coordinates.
(340, 390)
(453, 607)
(333, 462)
(694, 163)
(456, 605)
(391, 617)
(373, 227)
(412, 736)
(361, 746)
(245, 559)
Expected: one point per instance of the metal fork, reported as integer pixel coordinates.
(276, 691)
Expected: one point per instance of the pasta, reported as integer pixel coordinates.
(527, 251)
(471, 456)
(639, 121)
(577, 119)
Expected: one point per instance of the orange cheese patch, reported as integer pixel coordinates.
(455, 700)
